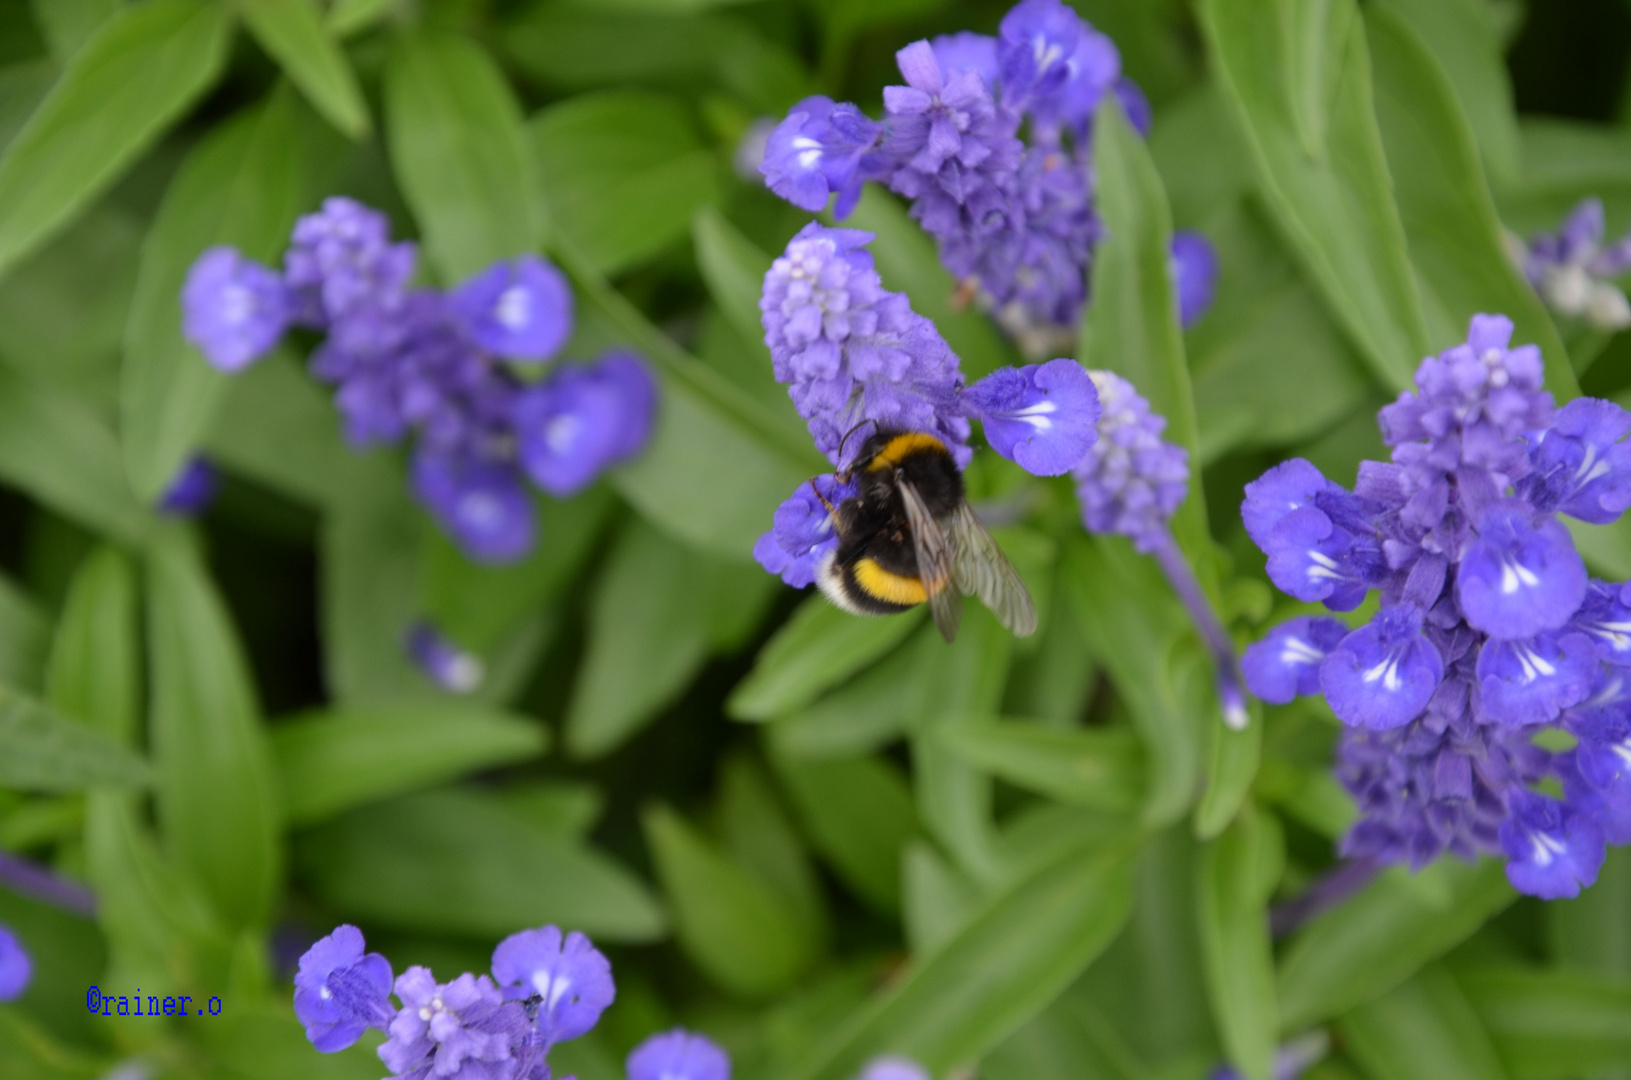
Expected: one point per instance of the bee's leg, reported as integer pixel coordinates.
(832, 511)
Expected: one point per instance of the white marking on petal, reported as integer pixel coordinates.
(1515, 575)
(562, 432)
(1546, 847)
(514, 308)
(1388, 672)
(1297, 651)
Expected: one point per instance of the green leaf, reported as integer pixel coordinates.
(621, 173)
(459, 152)
(1593, 931)
(734, 269)
(217, 797)
(1031, 940)
(819, 647)
(732, 926)
(265, 1041)
(757, 834)
(1230, 772)
(1552, 1025)
(1424, 1029)
(1131, 327)
(242, 187)
(292, 31)
(937, 899)
(348, 17)
(1238, 873)
(24, 638)
(1298, 79)
(1099, 767)
(1448, 214)
(95, 667)
(60, 449)
(69, 24)
(866, 712)
(92, 125)
(652, 614)
(1132, 625)
(1383, 935)
(333, 761)
(42, 750)
(859, 815)
(907, 262)
(464, 862)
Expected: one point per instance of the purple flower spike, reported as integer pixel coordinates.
(967, 51)
(1531, 682)
(1284, 488)
(1605, 616)
(678, 1055)
(16, 968)
(584, 419)
(817, 151)
(233, 309)
(1573, 272)
(340, 992)
(1194, 274)
(192, 490)
(341, 264)
(1582, 466)
(520, 309)
(1311, 558)
(1286, 663)
(1383, 674)
(571, 978)
(462, 1030)
(1553, 850)
(1131, 481)
(1602, 762)
(894, 1068)
(1518, 580)
(1042, 417)
(1036, 42)
(801, 533)
(481, 504)
(441, 660)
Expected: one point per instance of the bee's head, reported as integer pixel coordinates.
(845, 469)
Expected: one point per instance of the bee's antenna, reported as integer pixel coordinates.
(832, 511)
(843, 474)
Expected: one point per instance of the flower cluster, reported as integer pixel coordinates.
(1013, 216)
(856, 357)
(1489, 629)
(441, 366)
(16, 968)
(1574, 273)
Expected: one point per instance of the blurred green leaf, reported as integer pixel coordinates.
(95, 667)
(1461, 35)
(242, 187)
(339, 759)
(32, 1053)
(217, 794)
(819, 647)
(348, 17)
(1132, 626)
(1231, 769)
(464, 862)
(734, 269)
(60, 449)
(936, 900)
(1237, 874)
(24, 638)
(1593, 931)
(1031, 939)
(565, 808)
(740, 932)
(621, 173)
(266, 1041)
(1097, 767)
(41, 750)
(859, 815)
(1564, 161)
(649, 633)
(1550, 1025)
(91, 125)
(1423, 1029)
(292, 31)
(69, 24)
(757, 834)
(906, 260)
(863, 713)
(1298, 78)
(459, 151)
(1444, 203)
(1383, 935)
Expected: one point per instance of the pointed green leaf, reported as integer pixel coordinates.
(459, 152)
(1552, 1025)
(332, 761)
(42, 750)
(1029, 942)
(292, 31)
(864, 713)
(1231, 769)
(817, 648)
(757, 834)
(742, 935)
(1098, 767)
(465, 863)
(24, 638)
(1298, 78)
(95, 667)
(1593, 931)
(734, 269)
(217, 797)
(1238, 872)
(1424, 1029)
(859, 815)
(69, 24)
(140, 71)
(1383, 935)
(241, 187)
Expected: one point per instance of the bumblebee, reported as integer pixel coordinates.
(909, 537)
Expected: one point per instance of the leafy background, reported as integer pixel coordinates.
(813, 837)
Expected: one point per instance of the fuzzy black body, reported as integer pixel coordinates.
(874, 570)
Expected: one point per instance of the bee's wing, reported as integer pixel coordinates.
(935, 562)
(982, 569)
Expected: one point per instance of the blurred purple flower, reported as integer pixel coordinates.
(570, 977)
(1194, 274)
(233, 309)
(520, 309)
(584, 419)
(481, 504)
(191, 490)
(678, 1055)
(441, 660)
(340, 992)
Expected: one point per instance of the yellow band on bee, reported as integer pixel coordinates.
(901, 447)
(877, 582)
